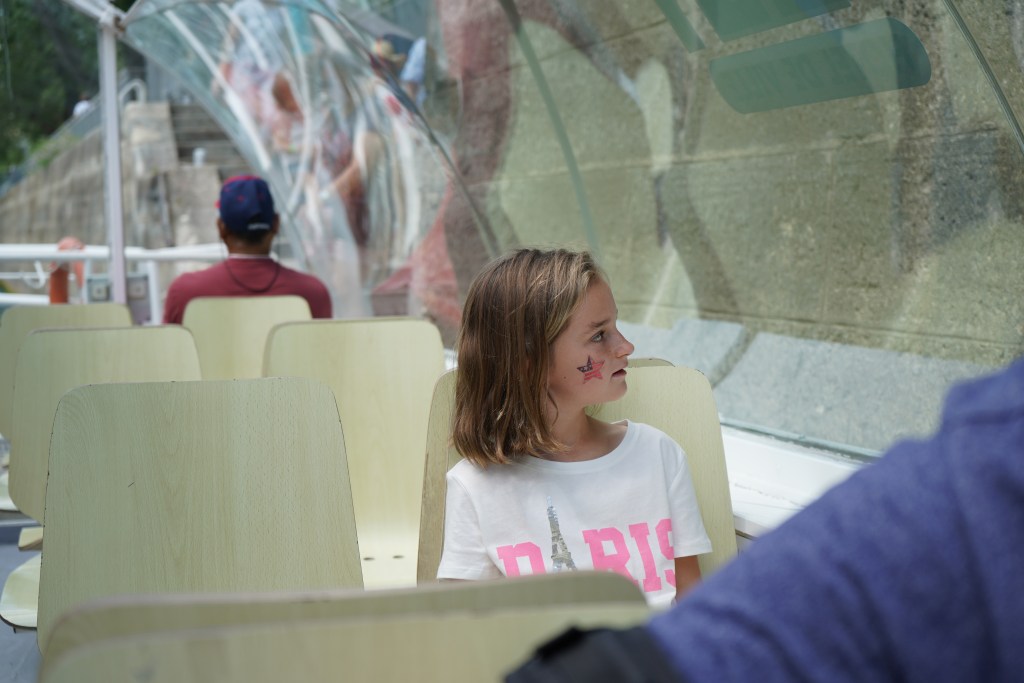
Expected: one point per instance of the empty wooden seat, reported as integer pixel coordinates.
(231, 332)
(128, 615)
(195, 486)
(50, 362)
(452, 633)
(17, 322)
(53, 361)
(20, 598)
(382, 372)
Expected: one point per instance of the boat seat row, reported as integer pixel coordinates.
(326, 474)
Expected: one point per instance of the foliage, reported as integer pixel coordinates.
(48, 56)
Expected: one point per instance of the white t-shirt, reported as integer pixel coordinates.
(631, 511)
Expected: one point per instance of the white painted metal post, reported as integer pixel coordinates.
(112, 157)
(156, 304)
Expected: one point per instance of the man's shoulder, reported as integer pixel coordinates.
(194, 278)
(186, 287)
(310, 284)
(299, 275)
(309, 287)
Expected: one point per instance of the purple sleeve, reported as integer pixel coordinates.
(908, 571)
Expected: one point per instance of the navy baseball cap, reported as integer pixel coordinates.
(246, 205)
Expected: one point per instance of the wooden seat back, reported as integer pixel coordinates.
(165, 487)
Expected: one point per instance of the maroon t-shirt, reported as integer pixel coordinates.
(245, 277)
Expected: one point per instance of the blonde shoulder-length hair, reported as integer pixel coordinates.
(516, 307)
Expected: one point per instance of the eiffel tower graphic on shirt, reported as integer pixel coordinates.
(561, 558)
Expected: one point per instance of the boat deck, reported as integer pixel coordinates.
(19, 655)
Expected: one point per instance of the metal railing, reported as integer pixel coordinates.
(146, 261)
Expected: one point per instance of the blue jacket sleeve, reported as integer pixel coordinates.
(908, 571)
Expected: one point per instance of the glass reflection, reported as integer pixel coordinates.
(833, 244)
(324, 108)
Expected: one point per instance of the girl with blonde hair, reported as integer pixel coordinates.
(537, 346)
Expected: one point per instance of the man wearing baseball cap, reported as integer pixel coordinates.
(247, 225)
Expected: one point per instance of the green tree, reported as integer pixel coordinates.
(48, 56)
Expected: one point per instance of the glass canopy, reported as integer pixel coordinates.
(815, 202)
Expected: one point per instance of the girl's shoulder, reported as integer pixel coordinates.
(650, 439)
(644, 431)
(469, 473)
(463, 469)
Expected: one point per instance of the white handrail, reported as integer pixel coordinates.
(23, 299)
(146, 258)
(214, 251)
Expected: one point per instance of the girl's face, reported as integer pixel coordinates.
(588, 359)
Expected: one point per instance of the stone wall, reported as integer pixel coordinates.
(837, 263)
(65, 196)
(879, 222)
(165, 203)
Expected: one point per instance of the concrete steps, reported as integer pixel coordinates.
(195, 129)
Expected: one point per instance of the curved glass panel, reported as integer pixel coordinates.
(313, 102)
(813, 201)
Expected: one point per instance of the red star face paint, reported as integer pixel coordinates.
(591, 333)
(591, 370)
